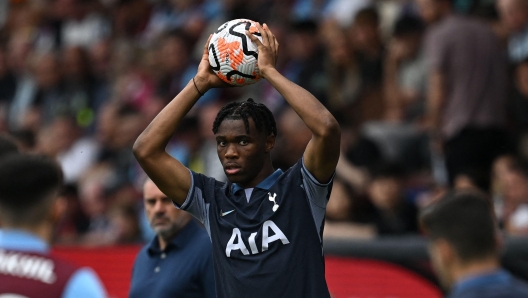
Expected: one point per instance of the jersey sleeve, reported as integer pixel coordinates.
(84, 283)
(198, 198)
(318, 195)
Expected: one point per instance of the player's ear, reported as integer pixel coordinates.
(58, 209)
(446, 251)
(270, 142)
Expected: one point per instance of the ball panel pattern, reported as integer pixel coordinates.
(232, 55)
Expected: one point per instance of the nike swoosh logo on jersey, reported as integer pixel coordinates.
(225, 213)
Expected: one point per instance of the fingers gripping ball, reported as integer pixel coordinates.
(232, 55)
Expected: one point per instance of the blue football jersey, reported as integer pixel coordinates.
(270, 245)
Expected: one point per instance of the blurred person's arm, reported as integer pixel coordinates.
(357, 177)
(171, 176)
(347, 230)
(84, 283)
(437, 54)
(435, 103)
(322, 152)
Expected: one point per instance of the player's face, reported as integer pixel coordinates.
(164, 218)
(242, 154)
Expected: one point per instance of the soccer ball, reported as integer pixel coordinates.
(232, 55)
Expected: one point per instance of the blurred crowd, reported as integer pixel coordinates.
(430, 94)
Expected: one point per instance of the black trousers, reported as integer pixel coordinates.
(474, 149)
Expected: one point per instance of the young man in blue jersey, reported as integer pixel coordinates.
(265, 226)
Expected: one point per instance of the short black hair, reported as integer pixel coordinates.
(407, 25)
(478, 176)
(27, 182)
(25, 137)
(304, 26)
(465, 220)
(387, 169)
(367, 16)
(7, 146)
(262, 116)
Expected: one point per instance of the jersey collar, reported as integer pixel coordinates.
(22, 241)
(265, 184)
(479, 280)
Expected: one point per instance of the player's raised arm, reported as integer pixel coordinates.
(322, 153)
(171, 176)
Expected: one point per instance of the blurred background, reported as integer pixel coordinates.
(80, 80)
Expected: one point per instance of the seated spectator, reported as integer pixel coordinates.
(306, 67)
(63, 140)
(511, 201)
(514, 15)
(292, 139)
(7, 146)
(518, 108)
(348, 213)
(7, 81)
(365, 40)
(464, 248)
(405, 75)
(393, 214)
(472, 179)
(343, 72)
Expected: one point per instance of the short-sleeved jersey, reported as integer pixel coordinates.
(271, 245)
(31, 274)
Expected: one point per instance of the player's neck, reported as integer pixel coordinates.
(266, 170)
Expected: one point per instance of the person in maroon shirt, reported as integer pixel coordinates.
(29, 210)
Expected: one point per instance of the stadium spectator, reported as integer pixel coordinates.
(63, 139)
(292, 140)
(178, 261)
(512, 194)
(7, 82)
(466, 109)
(393, 215)
(342, 70)
(29, 211)
(464, 248)
(348, 213)
(518, 109)
(405, 83)
(365, 39)
(514, 15)
(306, 67)
(7, 146)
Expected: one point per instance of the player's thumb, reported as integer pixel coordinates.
(253, 38)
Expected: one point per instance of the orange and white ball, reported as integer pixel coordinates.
(232, 55)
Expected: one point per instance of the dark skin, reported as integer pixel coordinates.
(174, 179)
(244, 156)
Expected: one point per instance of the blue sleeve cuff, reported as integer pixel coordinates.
(313, 179)
(84, 283)
(190, 195)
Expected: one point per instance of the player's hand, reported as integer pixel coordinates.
(268, 49)
(205, 77)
